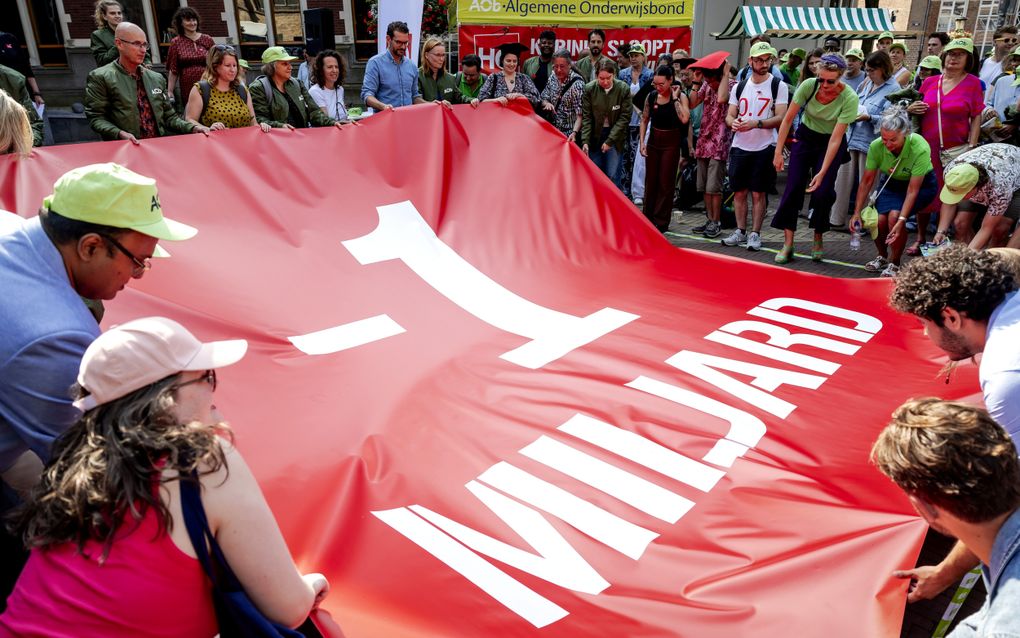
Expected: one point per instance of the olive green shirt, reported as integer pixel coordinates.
(111, 103)
(14, 83)
(442, 88)
(104, 49)
(599, 105)
(585, 67)
(274, 110)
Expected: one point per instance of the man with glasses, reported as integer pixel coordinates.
(470, 79)
(1005, 41)
(126, 101)
(391, 79)
(93, 235)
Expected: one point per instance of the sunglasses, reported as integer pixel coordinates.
(226, 48)
(209, 377)
(824, 81)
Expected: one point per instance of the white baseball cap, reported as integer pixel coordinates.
(135, 354)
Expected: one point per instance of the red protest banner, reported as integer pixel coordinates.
(487, 405)
(483, 40)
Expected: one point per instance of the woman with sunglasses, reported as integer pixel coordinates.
(186, 58)
(819, 147)
(219, 100)
(871, 96)
(110, 551)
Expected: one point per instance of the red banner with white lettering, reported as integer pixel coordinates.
(508, 406)
(484, 40)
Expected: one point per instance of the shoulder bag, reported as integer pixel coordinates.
(869, 214)
(947, 155)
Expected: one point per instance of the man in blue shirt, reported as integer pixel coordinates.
(959, 468)
(391, 80)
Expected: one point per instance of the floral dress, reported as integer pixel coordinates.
(186, 60)
(495, 86)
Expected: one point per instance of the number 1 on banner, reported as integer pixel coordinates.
(403, 234)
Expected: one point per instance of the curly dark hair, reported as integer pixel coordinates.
(320, 74)
(106, 469)
(183, 14)
(970, 282)
(952, 455)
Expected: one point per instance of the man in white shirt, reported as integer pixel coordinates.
(1005, 40)
(757, 107)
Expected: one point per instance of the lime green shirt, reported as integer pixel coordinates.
(793, 74)
(915, 162)
(823, 118)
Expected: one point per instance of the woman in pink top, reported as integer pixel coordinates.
(962, 102)
(111, 555)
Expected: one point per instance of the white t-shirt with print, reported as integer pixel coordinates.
(756, 104)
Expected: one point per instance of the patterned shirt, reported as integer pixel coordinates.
(715, 136)
(495, 87)
(146, 118)
(570, 106)
(1002, 163)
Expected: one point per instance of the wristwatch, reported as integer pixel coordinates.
(759, 124)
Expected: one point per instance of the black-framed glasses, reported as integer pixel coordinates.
(209, 377)
(141, 265)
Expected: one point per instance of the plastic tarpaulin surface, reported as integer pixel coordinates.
(487, 398)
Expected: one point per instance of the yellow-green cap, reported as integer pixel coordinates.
(855, 53)
(931, 62)
(965, 44)
(899, 45)
(762, 48)
(886, 35)
(637, 48)
(1016, 52)
(960, 180)
(276, 54)
(783, 58)
(111, 195)
(799, 52)
(243, 63)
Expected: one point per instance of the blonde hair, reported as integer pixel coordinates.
(214, 59)
(15, 130)
(430, 43)
(101, 8)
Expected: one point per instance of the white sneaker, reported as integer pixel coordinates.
(754, 241)
(891, 271)
(876, 265)
(736, 238)
(639, 202)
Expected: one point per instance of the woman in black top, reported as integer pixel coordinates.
(668, 111)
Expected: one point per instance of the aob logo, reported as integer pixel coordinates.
(486, 5)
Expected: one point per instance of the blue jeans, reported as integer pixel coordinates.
(608, 162)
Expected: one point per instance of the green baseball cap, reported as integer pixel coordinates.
(960, 180)
(899, 45)
(243, 63)
(855, 53)
(931, 62)
(965, 44)
(637, 47)
(762, 48)
(276, 54)
(111, 195)
(885, 35)
(799, 52)
(1015, 53)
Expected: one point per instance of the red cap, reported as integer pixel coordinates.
(711, 61)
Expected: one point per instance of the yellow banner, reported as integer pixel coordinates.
(595, 13)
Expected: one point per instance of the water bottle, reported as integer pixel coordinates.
(855, 236)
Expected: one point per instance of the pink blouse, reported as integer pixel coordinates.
(963, 102)
(146, 587)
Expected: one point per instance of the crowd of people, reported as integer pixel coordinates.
(103, 480)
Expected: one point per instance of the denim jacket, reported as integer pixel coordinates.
(862, 134)
(999, 617)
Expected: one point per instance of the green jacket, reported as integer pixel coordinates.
(597, 105)
(111, 103)
(274, 110)
(14, 83)
(585, 65)
(104, 49)
(445, 88)
(530, 67)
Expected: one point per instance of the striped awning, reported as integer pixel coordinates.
(807, 23)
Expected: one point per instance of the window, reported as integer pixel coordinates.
(286, 29)
(163, 11)
(949, 11)
(49, 37)
(366, 15)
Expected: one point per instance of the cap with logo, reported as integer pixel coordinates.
(637, 47)
(762, 48)
(964, 44)
(854, 53)
(138, 353)
(276, 54)
(885, 35)
(111, 195)
(899, 45)
(960, 180)
(931, 62)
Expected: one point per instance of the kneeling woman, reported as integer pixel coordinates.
(111, 554)
(904, 158)
(819, 147)
(666, 110)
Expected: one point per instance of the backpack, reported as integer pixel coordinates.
(206, 89)
(775, 90)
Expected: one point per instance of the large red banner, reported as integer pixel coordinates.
(509, 407)
(484, 40)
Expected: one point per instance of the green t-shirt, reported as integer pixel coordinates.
(822, 118)
(915, 162)
(793, 74)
